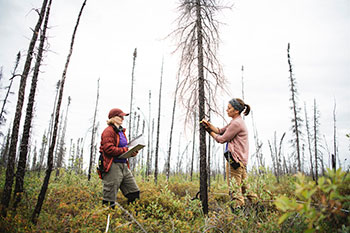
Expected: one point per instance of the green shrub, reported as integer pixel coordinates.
(320, 206)
(74, 204)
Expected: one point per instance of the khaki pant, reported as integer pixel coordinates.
(236, 179)
(119, 176)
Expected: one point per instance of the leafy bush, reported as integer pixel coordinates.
(74, 204)
(320, 206)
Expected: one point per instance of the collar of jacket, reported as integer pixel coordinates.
(117, 130)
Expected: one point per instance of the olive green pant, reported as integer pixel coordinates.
(118, 177)
(237, 183)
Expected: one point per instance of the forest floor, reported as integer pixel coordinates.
(74, 204)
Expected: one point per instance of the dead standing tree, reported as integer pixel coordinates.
(276, 156)
(334, 155)
(45, 185)
(158, 125)
(5, 148)
(167, 167)
(198, 42)
(296, 120)
(309, 140)
(94, 129)
(148, 160)
(8, 92)
(62, 145)
(6, 195)
(21, 167)
(132, 91)
(193, 143)
(316, 140)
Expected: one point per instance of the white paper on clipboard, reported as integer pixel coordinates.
(134, 145)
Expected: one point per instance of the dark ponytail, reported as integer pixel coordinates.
(246, 107)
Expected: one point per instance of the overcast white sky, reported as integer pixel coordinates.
(255, 35)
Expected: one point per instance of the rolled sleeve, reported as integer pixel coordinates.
(227, 133)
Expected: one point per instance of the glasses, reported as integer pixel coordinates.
(122, 117)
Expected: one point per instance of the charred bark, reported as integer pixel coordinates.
(44, 187)
(21, 167)
(61, 147)
(6, 195)
(148, 162)
(132, 92)
(315, 128)
(201, 110)
(8, 92)
(167, 170)
(193, 143)
(309, 140)
(5, 148)
(198, 36)
(158, 126)
(93, 133)
(296, 120)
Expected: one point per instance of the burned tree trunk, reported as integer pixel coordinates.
(335, 148)
(45, 185)
(42, 151)
(167, 170)
(35, 154)
(158, 126)
(198, 40)
(4, 151)
(309, 143)
(3, 111)
(61, 147)
(201, 110)
(279, 155)
(193, 143)
(148, 160)
(93, 133)
(21, 167)
(49, 132)
(276, 156)
(209, 151)
(6, 195)
(132, 91)
(316, 139)
(296, 120)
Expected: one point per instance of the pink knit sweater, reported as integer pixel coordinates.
(236, 134)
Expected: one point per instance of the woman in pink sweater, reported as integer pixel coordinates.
(235, 135)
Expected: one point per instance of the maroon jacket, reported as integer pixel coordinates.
(109, 146)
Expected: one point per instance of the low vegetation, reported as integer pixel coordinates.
(296, 204)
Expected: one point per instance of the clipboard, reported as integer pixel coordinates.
(134, 145)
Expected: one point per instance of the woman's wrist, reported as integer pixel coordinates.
(214, 129)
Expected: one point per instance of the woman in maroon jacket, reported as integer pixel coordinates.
(116, 170)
